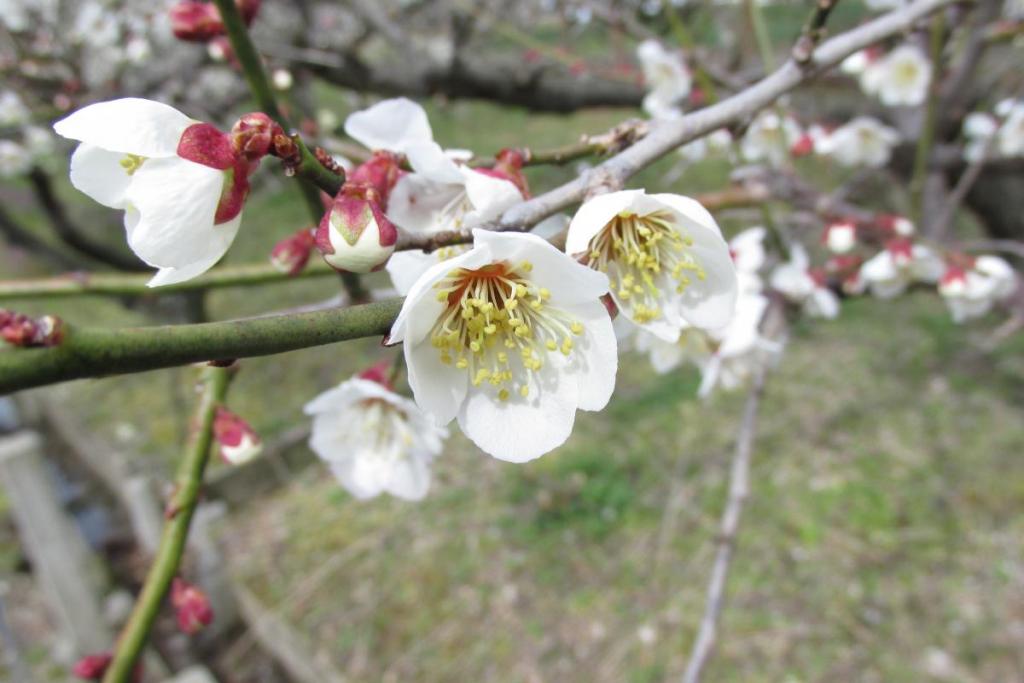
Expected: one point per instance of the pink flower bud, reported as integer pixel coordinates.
(249, 9)
(239, 443)
(896, 225)
(381, 171)
(953, 282)
(901, 249)
(18, 329)
(92, 667)
(355, 235)
(379, 373)
(195, 22)
(252, 136)
(291, 254)
(803, 146)
(509, 165)
(840, 237)
(191, 605)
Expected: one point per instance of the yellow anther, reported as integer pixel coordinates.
(576, 327)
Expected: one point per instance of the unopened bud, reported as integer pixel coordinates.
(381, 171)
(840, 238)
(355, 235)
(93, 667)
(253, 135)
(248, 9)
(18, 329)
(291, 254)
(238, 441)
(803, 146)
(896, 225)
(191, 606)
(195, 22)
(953, 282)
(379, 373)
(901, 249)
(509, 165)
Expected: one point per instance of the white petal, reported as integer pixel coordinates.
(439, 389)
(522, 429)
(690, 210)
(410, 479)
(391, 124)
(405, 267)
(416, 201)
(489, 196)
(429, 160)
(595, 358)
(99, 174)
(593, 215)
(176, 201)
(129, 126)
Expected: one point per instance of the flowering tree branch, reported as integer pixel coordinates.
(97, 352)
(78, 283)
(213, 386)
(739, 489)
(814, 30)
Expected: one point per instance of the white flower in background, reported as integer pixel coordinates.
(800, 285)
(769, 138)
(864, 141)
(741, 350)
(13, 112)
(180, 215)
(971, 292)
(441, 194)
(857, 63)
(748, 255)
(693, 346)
(373, 440)
(840, 237)
(666, 76)
(901, 263)
(14, 159)
(978, 128)
(509, 338)
(900, 78)
(664, 256)
(282, 79)
(716, 143)
(1011, 133)
(38, 141)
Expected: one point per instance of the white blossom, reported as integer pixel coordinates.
(899, 264)
(900, 78)
(664, 256)
(128, 159)
(972, 292)
(864, 141)
(666, 76)
(748, 254)
(374, 440)
(795, 281)
(741, 349)
(770, 137)
(509, 338)
(14, 159)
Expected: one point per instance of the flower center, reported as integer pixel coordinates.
(643, 256)
(131, 163)
(385, 428)
(498, 325)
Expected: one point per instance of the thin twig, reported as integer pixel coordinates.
(814, 31)
(739, 488)
(213, 386)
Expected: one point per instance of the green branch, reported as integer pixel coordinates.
(97, 352)
(214, 384)
(77, 284)
(308, 167)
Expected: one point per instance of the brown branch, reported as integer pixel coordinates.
(739, 489)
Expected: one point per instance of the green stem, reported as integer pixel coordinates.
(927, 139)
(214, 384)
(77, 284)
(98, 352)
(259, 85)
(761, 36)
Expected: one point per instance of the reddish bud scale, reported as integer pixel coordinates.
(291, 254)
(253, 135)
(844, 264)
(21, 330)
(92, 667)
(379, 373)
(203, 144)
(200, 22)
(901, 249)
(509, 166)
(381, 171)
(191, 605)
(952, 276)
(818, 276)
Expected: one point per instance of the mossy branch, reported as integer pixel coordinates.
(98, 352)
